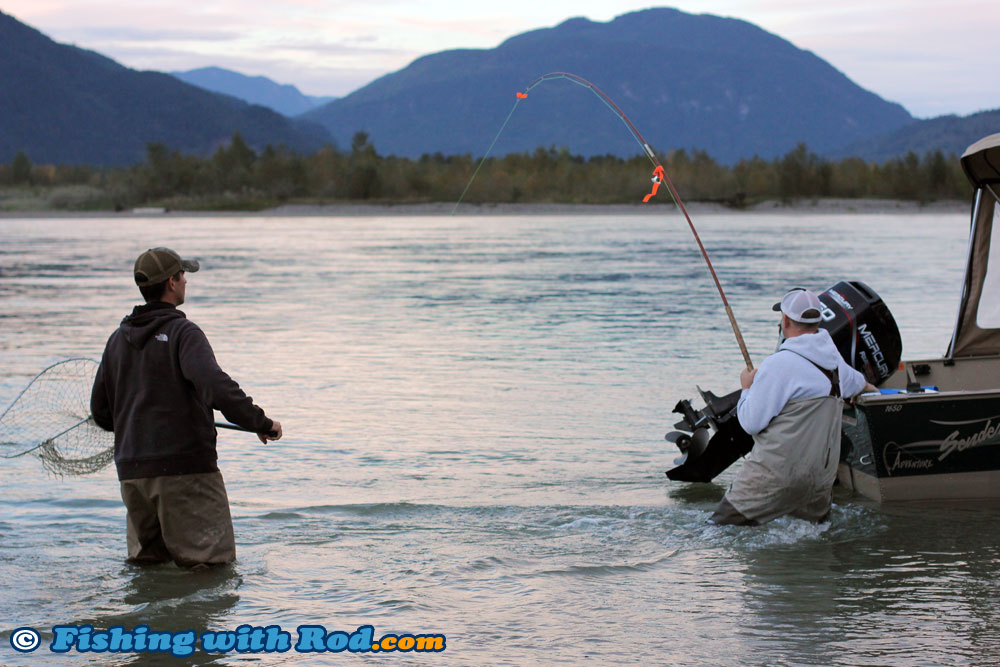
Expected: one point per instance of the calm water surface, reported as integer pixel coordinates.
(474, 410)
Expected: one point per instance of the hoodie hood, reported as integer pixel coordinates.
(818, 348)
(145, 320)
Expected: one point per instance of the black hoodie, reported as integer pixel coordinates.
(156, 387)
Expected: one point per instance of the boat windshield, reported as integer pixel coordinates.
(988, 313)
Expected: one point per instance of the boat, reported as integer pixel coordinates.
(932, 432)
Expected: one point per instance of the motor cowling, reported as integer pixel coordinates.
(863, 329)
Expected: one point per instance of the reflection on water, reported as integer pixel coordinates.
(165, 598)
(474, 410)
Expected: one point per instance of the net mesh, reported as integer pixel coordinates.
(51, 419)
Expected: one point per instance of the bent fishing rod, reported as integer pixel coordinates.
(659, 176)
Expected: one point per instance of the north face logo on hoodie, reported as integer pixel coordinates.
(161, 337)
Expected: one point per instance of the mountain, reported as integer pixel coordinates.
(286, 99)
(686, 81)
(949, 134)
(65, 105)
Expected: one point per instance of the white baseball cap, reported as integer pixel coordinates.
(801, 305)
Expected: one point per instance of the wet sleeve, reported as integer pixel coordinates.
(214, 387)
(100, 404)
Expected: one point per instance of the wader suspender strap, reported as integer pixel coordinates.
(833, 376)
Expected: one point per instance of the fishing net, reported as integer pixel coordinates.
(50, 419)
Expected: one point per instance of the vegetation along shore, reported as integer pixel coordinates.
(238, 178)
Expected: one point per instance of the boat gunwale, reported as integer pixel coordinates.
(923, 396)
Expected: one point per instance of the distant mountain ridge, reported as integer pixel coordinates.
(286, 99)
(687, 81)
(65, 105)
(949, 134)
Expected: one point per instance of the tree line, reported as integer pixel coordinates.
(238, 177)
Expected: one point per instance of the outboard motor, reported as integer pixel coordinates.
(863, 329)
(864, 332)
(704, 454)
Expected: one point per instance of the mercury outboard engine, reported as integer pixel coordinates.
(864, 332)
(863, 329)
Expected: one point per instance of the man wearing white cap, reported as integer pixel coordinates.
(791, 405)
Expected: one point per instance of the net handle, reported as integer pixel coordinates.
(47, 440)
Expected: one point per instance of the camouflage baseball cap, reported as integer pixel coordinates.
(157, 264)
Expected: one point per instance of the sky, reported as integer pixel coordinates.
(932, 57)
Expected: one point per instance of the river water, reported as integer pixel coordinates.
(474, 410)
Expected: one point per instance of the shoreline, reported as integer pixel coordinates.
(830, 206)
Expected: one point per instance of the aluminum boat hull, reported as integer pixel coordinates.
(926, 444)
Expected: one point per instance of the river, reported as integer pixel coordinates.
(474, 410)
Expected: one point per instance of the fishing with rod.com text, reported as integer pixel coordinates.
(244, 639)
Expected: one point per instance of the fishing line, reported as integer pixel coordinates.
(659, 176)
(488, 150)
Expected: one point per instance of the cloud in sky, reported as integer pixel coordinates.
(931, 57)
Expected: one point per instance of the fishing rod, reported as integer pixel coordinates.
(659, 176)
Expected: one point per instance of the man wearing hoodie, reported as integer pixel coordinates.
(156, 388)
(791, 405)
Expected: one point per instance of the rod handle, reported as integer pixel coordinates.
(739, 337)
